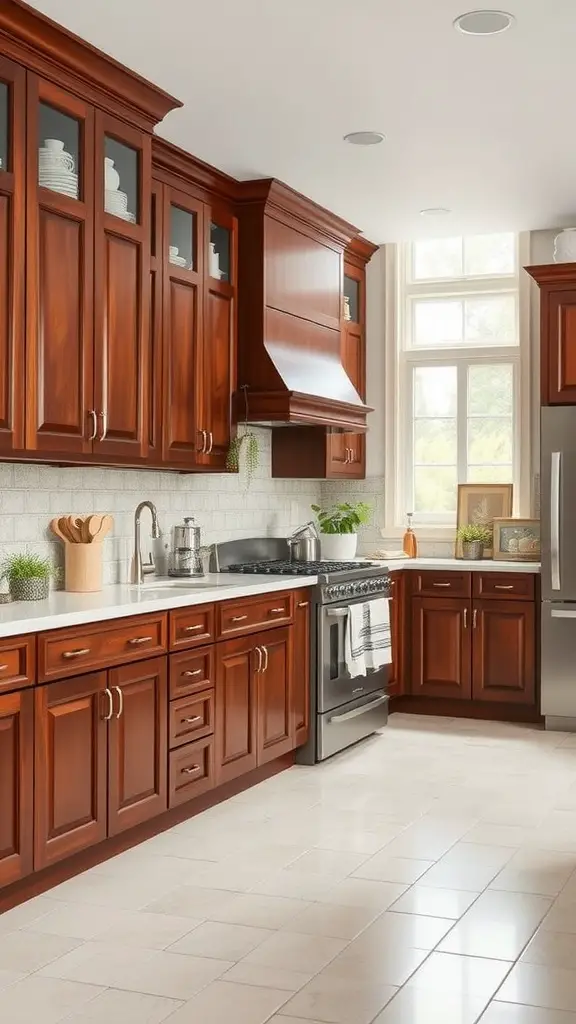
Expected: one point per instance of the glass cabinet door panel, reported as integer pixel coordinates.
(4, 140)
(183, 232)
(219, 255)
(59, 152)
(121, 180)
(351, 299)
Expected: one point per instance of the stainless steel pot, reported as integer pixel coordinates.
(304, 544)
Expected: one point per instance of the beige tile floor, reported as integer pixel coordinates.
(427, 876)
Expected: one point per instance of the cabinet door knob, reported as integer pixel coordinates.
(210, 443)
(259, 652)
(192, 629)
(196, 672)
(276, 611)
(190, 771)
(465, 618)
(104, 431)
(441, 584)
(503, 586)
(195, 718)
(120, 701)
(92, 414)
(303, 604)
(3, 668)
(265, 649)
(108, 716)
(140, 640)
(76, 654)
(474, 618)
(202, 450)
(238, 618)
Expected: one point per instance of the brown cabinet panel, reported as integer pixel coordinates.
(274, 694)
(558, 340)
(138, 748)
(507, 586)
(447, 583)
(245, 615)
(191, 718)
(301, 274)
(12, 255)
(70, 756)
(218, 372)
(397, 626)
(64, 652)
(441, 647)
(504, 651)
(155, 345)
(301, 667)
(16, 785)
(191, 627)
(17, 662)
(191, 672)
(192, 771)
(236, 697)
(59, 322)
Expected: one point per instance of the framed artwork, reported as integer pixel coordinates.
(482, 504)
(517, 540)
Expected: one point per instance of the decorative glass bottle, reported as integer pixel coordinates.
(410, 544)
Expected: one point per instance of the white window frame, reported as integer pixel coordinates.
(401, 359)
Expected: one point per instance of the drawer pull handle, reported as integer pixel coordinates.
(190, 771)
(120, 711)
(303, 604)
(195, 718)
(192, 629)
(276, 611)
(140, 640)
(189, 672)
(265, 649)
(76, 654)
(238, 618)
(108, 693)
(503, 586)
(3, 668)
(441, 584)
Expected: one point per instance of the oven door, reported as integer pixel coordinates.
(342, 727)
(335, 684)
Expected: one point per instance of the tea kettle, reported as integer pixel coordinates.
(185, 557)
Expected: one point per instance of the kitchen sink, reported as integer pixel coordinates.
(183, 584)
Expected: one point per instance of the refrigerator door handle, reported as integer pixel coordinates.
(555, 520)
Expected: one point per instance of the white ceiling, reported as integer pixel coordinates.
(483, 126)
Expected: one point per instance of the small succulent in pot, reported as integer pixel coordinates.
(474, 538)
(28, 575)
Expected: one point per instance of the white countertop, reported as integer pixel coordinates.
(478, 565)
(62, 609)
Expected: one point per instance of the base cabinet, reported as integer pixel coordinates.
(397, 620)
(503, 666)
(301, 668)
(236, 749)
(16, 785)
(273, 695)
(441, 647)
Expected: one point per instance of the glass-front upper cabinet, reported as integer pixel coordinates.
(59, 151)
(183, 238)
(4, 119)
(121, 180)
(351, 299)
(220, 255)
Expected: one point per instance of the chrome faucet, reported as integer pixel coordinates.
(141, 569)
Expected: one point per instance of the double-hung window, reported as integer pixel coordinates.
(458, 366)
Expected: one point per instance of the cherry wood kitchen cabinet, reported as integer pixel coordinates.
(237, 662)
(16, 785)
(137, 744)
(301, 667)
(274, 694)
(12, 254)
(557, 282)
(70, 766)
(441, 647)
(503, 665)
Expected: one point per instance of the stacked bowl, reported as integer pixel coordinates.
(56, 169)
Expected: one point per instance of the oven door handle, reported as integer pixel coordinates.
(359, 711)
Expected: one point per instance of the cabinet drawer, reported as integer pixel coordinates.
(190, 627)
(191, 771)
(514, 586)
(68, 652)
(249, 614)
(442, 584)
(191, 672)
(190, 718)
(17, 662)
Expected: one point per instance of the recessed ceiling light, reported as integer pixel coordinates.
(364, 138)
(434, 211)
(483, 23)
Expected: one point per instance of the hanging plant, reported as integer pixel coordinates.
(245, 445)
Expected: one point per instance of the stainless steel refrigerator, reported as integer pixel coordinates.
(558, 523)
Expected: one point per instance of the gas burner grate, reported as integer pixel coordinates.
(284, 568)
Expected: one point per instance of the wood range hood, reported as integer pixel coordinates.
(290, 368)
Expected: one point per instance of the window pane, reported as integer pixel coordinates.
(435, 441)
(490, 474)
(435, 489)
(491, 320)
(489, 440)
(490, 255)
(437, 322)
(435, 391)
(490, 390)
(437, 258)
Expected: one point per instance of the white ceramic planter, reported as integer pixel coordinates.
(338, 547)
(565, 246)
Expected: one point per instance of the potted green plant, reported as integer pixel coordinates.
(245, 444)
(474, 538)
(339, 526)
(28, 576)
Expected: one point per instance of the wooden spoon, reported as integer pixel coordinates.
(73, 529)
(93, 524)
(55, 527)
(65, 530)
(105, 527)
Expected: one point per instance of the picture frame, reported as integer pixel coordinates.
(516, 540)
(482, 504)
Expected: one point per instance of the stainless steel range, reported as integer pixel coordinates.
(344, 709)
